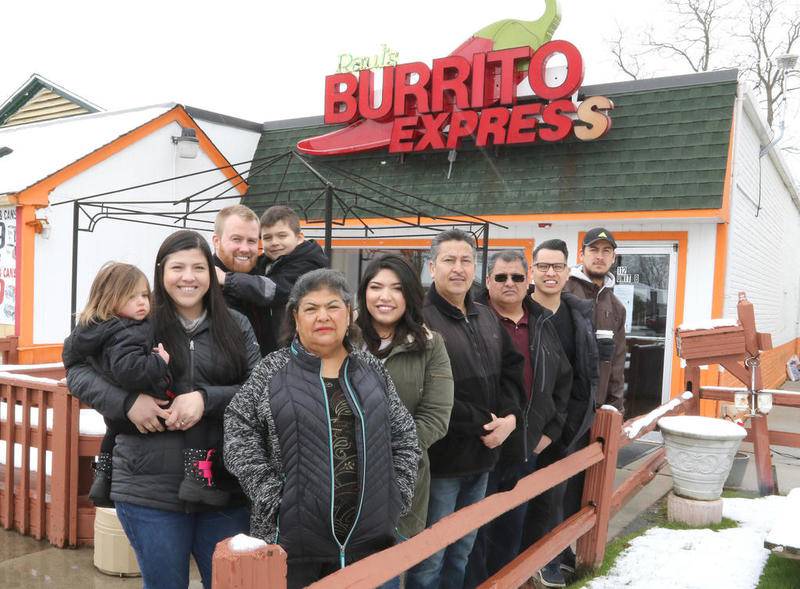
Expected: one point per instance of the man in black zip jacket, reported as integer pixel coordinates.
(487, 378)
(548, 382)
(572, 319)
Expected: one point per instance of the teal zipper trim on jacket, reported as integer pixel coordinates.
(330, 457)
(356, 404)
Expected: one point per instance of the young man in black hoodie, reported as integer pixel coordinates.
(548, 383)
(287, 256)
(571, 317)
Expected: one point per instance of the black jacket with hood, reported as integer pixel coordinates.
(582, 403)
(284, 272)
(250, 293)
(148, 468)
(122, 351)
(487, 378)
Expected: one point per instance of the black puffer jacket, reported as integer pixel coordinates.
(122, 351)
(279, 445)
(148, 468)
(582, 401)
(284, 272)
(487, 378)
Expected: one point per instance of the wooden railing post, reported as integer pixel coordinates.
(766, 484)
(262, 568)
(599, 487)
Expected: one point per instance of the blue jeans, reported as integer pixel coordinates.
(165, 540)
(446, 567)
(498, 542)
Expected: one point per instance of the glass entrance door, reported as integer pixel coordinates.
(646, 284)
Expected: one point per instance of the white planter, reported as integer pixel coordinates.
(700, 453)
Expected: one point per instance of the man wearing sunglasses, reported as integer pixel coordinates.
(548, 382)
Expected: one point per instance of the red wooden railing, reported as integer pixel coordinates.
(589, 526)
(31, 501)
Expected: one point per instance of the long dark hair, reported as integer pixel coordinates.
(411, 323)
(230, 353)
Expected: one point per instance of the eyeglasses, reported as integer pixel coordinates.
(543, 267)
(514, 277)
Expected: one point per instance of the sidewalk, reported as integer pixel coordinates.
(26, 563)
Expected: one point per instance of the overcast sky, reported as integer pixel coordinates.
(262, 61)
(268, 61)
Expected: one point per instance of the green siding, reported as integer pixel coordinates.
(667, 149)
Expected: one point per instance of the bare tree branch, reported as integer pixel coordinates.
(629, 64)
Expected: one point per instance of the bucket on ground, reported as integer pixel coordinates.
(113, 554)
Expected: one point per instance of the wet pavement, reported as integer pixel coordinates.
(28, 563)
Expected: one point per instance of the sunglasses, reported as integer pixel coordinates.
(514, 277)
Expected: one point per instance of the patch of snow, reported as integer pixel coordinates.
(245, 543)
(26, 378)
(699, 559)
(786, 528)
(707, 427)
(708, 324)
(638, 425)
(24, 367)
(90, 422)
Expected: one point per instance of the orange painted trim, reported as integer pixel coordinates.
(709, 214)
(422, 243)
(40, 354)
(214, 154)
(727, 183)
(38, 195)
(720, 271)
(26, 238)
(682, 239)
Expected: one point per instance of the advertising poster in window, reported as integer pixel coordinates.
(8, 263)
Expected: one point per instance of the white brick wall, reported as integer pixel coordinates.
(763, 250)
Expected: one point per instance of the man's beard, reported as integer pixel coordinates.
(595, 275)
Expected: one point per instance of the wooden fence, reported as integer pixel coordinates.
(589, 527)
(39, 426)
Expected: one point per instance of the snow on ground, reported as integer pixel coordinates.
(700, 559)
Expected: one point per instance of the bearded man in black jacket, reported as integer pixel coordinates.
(236, 259)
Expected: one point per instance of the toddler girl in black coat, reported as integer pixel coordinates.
(116, 337)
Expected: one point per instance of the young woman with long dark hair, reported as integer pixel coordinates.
(390, 318)
(212, 351)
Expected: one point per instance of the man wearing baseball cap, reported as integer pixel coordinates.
(592, 279)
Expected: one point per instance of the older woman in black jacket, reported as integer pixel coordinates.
(320, 441)
(212, 351)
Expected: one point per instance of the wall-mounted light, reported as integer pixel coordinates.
(187, 143)
(41, 224)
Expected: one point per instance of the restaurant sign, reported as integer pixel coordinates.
(427, 108)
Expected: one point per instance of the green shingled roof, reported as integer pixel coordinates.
(667, 149)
